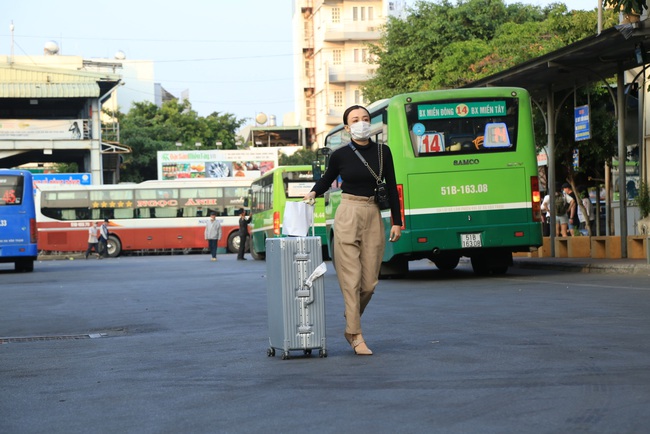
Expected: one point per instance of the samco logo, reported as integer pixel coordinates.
(466, 162)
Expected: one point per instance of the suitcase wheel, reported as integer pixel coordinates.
(285, 355)
(270, 352)
(322, 353)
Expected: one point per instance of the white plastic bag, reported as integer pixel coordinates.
(297, 219)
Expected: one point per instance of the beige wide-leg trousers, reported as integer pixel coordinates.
(359, 243)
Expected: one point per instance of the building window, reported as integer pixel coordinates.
(338, 98)
(360, 55)
(357, 97)
(336, 15)
(363, 13)
(336, 56)
(355, 14)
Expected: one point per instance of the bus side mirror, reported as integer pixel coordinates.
(246, 202)
(316, 170)
(326, 153)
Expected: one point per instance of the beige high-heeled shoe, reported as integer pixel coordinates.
(359, 345)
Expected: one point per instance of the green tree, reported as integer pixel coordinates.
(147, 129)
(301, 156)
(442, 45)
(409, 48)
(627, 6)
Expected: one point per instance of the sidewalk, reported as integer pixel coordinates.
(585, 265)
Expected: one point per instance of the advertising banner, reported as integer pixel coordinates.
(41, 129)
(237, 164)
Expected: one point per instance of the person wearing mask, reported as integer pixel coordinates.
(243, 233)
(212, 234)
(359, 242)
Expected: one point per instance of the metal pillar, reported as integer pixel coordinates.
(550, 135)
(622, 157)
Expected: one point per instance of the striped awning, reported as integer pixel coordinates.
(49, 90)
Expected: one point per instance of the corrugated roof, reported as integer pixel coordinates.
(48, 90)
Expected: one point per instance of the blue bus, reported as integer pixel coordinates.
(17, 219)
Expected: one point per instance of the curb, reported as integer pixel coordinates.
(584, 266)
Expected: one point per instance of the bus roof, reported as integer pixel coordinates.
(200, 183)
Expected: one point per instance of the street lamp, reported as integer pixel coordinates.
(218, 144)
(178, 145)
(198, 145)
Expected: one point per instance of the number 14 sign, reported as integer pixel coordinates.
(431, 142)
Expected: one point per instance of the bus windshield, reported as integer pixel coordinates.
(11, 189)
(473, 126)
(298, 183)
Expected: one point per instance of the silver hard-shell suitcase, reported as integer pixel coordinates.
(296, 303)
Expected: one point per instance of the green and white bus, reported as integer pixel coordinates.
(466, 170)
(268, 195)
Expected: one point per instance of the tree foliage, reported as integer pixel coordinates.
(147, 129)
(445, 45)
(301, 156)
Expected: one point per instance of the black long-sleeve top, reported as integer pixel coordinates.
(357, 179)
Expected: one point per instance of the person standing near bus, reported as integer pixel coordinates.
(93, 232)
(572, 214)
(243, 233)
(213, 234)
(359, 241)
(103, 240)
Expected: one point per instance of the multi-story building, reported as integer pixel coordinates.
(331, 39)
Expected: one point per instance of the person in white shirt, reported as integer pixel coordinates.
(546, 215)
(213, 234)
(590, 218)
(93, 232)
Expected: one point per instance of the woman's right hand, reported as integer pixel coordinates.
(309, 197)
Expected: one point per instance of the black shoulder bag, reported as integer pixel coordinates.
(381, 192)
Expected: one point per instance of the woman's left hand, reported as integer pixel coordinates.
(395, 233)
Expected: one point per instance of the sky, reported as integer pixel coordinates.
(234, 56)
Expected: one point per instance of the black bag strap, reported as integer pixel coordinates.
(380, 152)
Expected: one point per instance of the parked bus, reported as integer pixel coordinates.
(17, 219)
(466, 170)
(150, 216)
(270, 193)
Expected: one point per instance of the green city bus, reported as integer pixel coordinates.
(268, 195)
(466, 169)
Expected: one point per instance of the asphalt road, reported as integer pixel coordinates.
(170, 344)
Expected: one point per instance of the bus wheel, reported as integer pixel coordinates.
(480, 265)
(256, 255)
(25, 265)
(495, 262)
(233, 242)
(395, 268)
(113, 246)
(447, 263)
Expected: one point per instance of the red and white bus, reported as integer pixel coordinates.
(150, 216)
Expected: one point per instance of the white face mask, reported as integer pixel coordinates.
(360, 130)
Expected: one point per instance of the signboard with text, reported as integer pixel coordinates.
(238, 164)
(582, 126)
